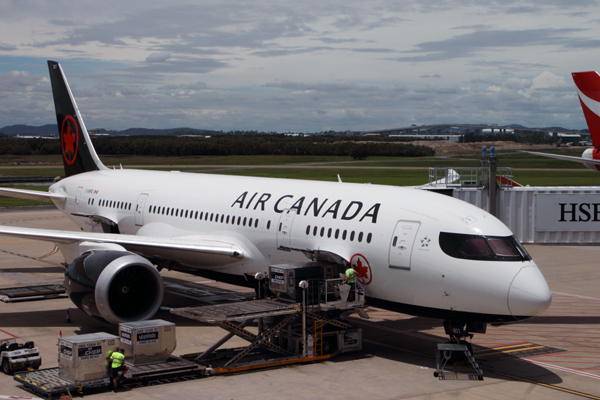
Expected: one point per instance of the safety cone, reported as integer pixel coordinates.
(68, 319)
(59, 336)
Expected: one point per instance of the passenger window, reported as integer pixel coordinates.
(337, 233)
(329, 233)
(344, 234)
(395, 241)
(360, 237)
(308, 230)
(352, 236)
(268, 224)
(369, 238)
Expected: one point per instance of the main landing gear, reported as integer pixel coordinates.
(458, 350)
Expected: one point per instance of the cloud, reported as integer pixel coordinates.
(158, 57)
(7, 47)
(547, 80)
(470, 44)
(303, 66)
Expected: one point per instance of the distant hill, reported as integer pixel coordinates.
(26, 130)
(52, 130)
(158, 132)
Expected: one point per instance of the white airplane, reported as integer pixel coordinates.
(415, 252)
(588, 89)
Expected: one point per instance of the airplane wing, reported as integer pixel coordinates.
(32, 194)
(213, 252)
(568, 158)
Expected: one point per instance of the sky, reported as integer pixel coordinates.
(291, 66)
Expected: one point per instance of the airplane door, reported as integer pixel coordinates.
(78, 198)
(284, 230)
(402, 243)
(139, 209)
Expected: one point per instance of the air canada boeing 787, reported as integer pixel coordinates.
(414, 251)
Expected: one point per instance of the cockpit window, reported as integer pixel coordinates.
(503, 247)
(477, 247)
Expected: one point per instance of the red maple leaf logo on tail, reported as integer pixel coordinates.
(69, 140)
(69, 137)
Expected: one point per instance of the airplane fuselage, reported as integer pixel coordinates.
(396, 238)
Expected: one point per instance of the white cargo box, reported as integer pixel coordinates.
(84, 357)
(147, 342)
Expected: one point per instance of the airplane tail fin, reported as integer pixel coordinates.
(77, 149)
(588, 88)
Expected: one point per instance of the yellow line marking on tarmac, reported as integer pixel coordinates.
(527, 348)
(522, 347)
(509, 347)
(589, 396)
(54, 251)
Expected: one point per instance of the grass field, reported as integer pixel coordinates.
(529, 169)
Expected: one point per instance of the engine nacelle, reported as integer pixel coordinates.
(117, 286)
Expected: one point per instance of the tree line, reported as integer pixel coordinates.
(225, 145)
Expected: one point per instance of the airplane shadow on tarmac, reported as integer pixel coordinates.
(404, 341)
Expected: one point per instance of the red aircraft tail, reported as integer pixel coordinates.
(588, 88)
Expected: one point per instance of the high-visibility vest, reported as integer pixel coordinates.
(117, 359)
(350, 274)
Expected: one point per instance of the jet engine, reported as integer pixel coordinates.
(117, 286)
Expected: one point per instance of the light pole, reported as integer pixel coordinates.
(304, 286)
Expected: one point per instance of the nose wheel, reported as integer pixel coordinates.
(458, 350)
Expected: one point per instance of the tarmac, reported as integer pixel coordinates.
(553, 356)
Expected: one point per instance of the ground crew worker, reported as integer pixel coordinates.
(351, 280)
(118, 364)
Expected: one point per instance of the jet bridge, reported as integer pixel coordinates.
(296, 321)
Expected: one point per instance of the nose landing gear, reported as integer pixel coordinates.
(458, 350)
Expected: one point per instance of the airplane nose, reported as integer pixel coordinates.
(529, 294)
